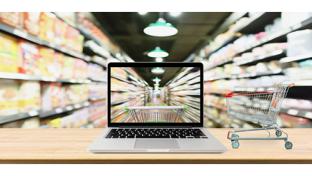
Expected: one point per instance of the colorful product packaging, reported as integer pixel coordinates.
(14, 19)
(47, 22)
(31, 59)
(31, 22)
(29, 96)
(9, 97)
(10, 58)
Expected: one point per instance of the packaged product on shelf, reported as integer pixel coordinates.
(49, 63)
(76, 93)
(119, 73)
(47, 22)
(14, 19)
(9, 97)
(80, 69)
(294, 18)
(297, 104)
(74, 40)
(10, 58)
(68, 67)
(60, 28)
(97, 90)
(31, 59)
(96, 72)
(29, 96)
(77, 119)
(31, 22)
(52, 96)
(290, 121)
(299, 43)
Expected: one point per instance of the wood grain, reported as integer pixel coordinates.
(70, 146)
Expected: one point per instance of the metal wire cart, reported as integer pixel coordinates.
(155, 114)
(262, 107)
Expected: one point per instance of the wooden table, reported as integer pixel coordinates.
(70, 146)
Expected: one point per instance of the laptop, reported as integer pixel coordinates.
(155, 107)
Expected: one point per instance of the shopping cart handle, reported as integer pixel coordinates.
(229, 95)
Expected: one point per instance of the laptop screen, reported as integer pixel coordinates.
(157, 94)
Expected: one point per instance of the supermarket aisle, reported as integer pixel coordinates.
(173, 100)
(50, 75)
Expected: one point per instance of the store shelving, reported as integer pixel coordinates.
(280, 36)
(24, 35)
(298, 112)
(63, 72)
(296, 58)
(268, 57)
(253, 24)
(246, 60)
(60, 110)
(19, 116)
(19, 76)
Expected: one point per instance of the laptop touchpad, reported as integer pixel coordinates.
(156, 144)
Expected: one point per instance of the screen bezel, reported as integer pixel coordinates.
(152, 64)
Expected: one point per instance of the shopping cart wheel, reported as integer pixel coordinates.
(235, 144)
(278, 133)
(234, 136)
(288, 145)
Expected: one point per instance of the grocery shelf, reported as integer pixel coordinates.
(219, 65)
(97, 98)
(219, 107)
(88, 35)
(97, 80)
(272, 56)
(24, 35)
(19, 76)
(297, 112)
(251, 26)
(228, 41)
(296, 58)
(61, 110)
(257, 23)
(19, 116)
(255, 75)
(281, 35)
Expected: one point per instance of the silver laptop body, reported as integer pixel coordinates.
(170, 119)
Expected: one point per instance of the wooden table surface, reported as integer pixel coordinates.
(70, 146)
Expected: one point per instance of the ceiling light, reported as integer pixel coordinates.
(160, 29)
(157, 52)
(142, 13)
(158, 70)
(159, 59)
(175, 14)
(156, 80)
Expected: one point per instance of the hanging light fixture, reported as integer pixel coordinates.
(158, 70)
(160, 29)
(156, 80)
(159, 59)
(157, 52)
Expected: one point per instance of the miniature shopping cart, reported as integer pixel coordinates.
(145, 114)
(260, 106)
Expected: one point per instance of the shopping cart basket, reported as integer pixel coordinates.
(167, 114)
(259, 106)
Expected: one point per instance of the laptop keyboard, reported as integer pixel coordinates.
(156, 133)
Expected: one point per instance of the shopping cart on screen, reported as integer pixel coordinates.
(156, 114)
(260, 106)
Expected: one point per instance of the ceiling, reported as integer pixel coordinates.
(126, 29)
(148, 76)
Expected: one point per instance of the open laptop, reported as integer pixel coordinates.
(155, 107)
